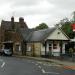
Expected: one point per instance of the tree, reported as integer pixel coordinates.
(73, 17)
(65, 25)
(42, 26)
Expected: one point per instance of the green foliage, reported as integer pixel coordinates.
(70, 50)
(66, 26)
(67, 29)
(41, 26)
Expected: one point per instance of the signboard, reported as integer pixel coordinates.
(73, 26)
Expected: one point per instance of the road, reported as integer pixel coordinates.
(21, 66)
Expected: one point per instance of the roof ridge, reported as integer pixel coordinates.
(9, 21)
(45, 29)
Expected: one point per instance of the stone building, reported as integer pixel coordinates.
(24, 41)
(10, 35)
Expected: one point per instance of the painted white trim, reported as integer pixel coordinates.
(42, 49)
(63, 47)
(19, 48)
(55, 36)
(55, 52)
(29, 48)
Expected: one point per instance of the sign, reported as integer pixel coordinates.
(73, 26)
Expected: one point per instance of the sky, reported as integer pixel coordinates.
(36, 12)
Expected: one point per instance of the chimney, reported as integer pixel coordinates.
(22, 23)
(12, 19)
(12, 22)
(21, 20)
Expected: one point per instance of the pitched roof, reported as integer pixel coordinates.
(41, 34)
(26, 33)
(31, 35)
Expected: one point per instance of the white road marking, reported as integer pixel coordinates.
(2, 64)
(36, 64)
(52, 73)
(32, 62)
(39, 67)
(43, 71)
(54, 65)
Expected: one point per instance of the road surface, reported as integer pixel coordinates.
(21, 66)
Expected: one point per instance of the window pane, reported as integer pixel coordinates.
(54, 46)
(49, 45)
(17, 48)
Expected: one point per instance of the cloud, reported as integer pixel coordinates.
(4, 9)
(35, 20)
(37, 11)
(25, 2)
(39, 8)
(63, 4)
(4, 1)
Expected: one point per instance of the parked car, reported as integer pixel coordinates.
(7, 52)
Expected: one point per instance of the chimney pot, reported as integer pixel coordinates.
(12, 22)
(12, 19)
(21, 20)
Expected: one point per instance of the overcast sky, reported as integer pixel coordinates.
(37, 11)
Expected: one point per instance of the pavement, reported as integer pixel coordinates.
(63, 63)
